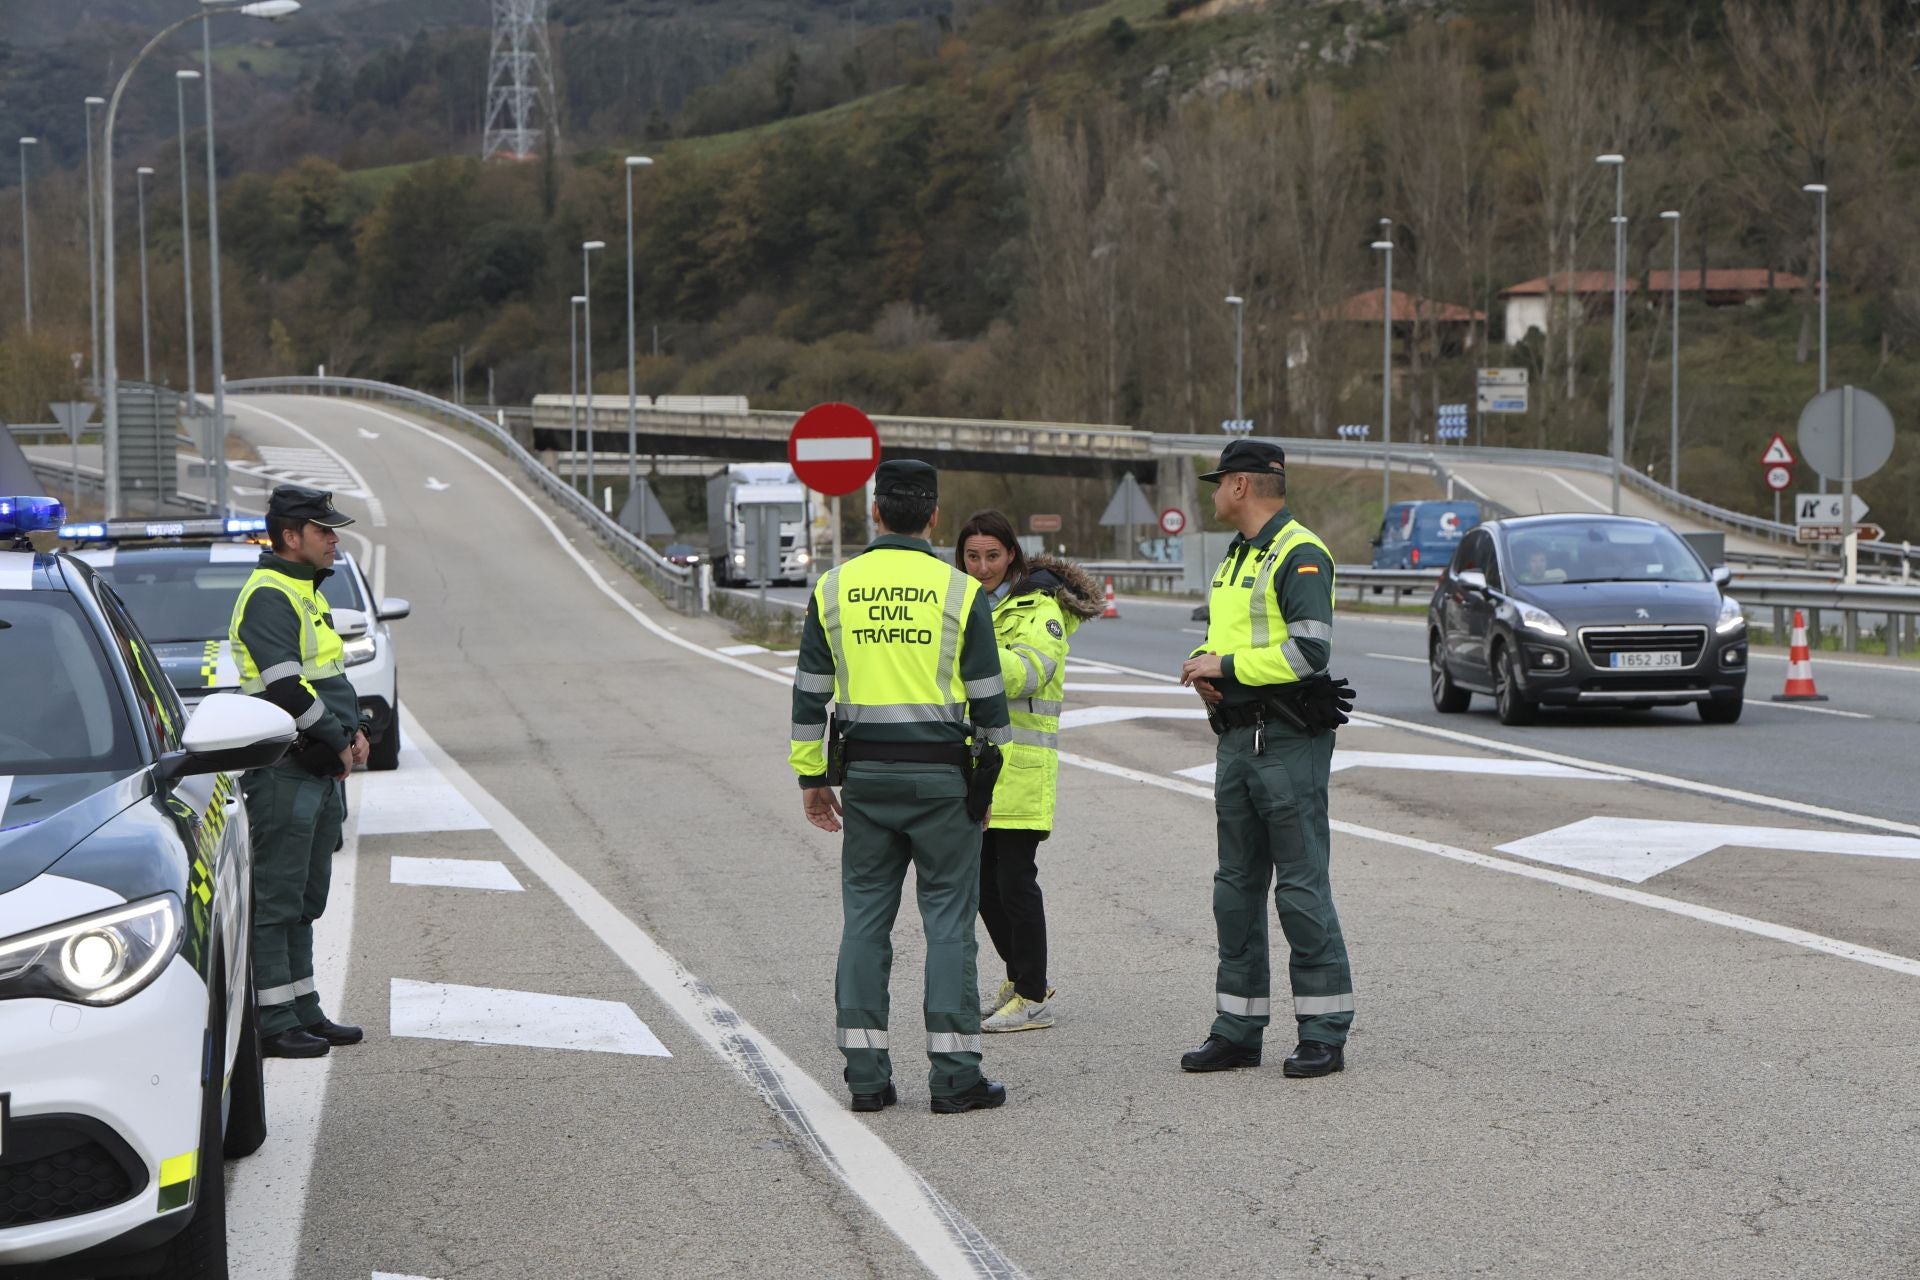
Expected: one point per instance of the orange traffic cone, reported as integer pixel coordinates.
(1799, 667)
(1112, 610)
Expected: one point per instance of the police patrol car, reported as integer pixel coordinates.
(180, 579)
(129, 1062)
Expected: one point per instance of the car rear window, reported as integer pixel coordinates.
(60, 705)
(176, 598)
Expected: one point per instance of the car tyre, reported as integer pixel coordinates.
(247, 1095)
(1448, 697)
(385, 754)
(1509, 703)
(1722, 710)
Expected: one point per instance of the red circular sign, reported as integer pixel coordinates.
(1172, 521)
(834, 449)
(1779, 478)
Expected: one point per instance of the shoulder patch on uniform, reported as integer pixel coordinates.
(1308, 568)
(1054, 628)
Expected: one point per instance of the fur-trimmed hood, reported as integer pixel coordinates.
(1069, 585)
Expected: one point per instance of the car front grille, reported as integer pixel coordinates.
(1602, 643)
(55, 1167)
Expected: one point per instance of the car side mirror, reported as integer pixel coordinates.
(392, 609)
(1376, 540)
(1721, 575)
(228, 733)
(348, 623)
(1472, 579)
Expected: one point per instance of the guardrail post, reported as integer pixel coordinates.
(1779, 622)
(1850, 630)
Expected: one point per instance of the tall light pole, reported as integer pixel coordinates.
(26, 240)
(1617, 406)
(180, 79)
(573, 382)
(1672, 218)
(1819, 189)
(634, 164)
(110, 371)
(93, 251)
(1239, 306)
(140, 177)
(586, 345)
(1385, 245)
(217, 367)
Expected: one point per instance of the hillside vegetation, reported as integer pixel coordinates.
(1034, 208)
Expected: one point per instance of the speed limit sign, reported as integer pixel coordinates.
(1779, 479)
(1172, 521)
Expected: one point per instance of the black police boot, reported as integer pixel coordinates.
(1220, 1054)
(296, 1043)
(877, 1101)
(1313, 1058)
(336, 1033)
(984, 1095)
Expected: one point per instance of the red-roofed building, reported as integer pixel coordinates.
(1528, 303)
(1451, 325)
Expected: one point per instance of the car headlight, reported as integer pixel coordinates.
(739, 557)
(99, 959)
(1731, 619)
(358, 650)
(1536, 619)
(801, 557)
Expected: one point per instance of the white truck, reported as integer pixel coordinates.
(735, 497)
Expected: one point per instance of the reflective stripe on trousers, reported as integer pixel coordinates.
(951, 1042)
(860, 1038)
(288, 993)
(1245, 1006)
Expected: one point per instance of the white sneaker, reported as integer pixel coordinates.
(991, 1004)
(1021, 1014)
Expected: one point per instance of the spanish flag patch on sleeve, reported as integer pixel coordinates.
(1308, 568)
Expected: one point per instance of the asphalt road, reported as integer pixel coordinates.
(1704, 1070)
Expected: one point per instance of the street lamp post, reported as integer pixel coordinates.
(217, 360)
(140, 177)
(1617, 416)
(110, 370)
(634, 163)
(1819, 189)
(1672, 217)
(586, 350)
(1239, 312)
(93, 251)
(180, 79)
(573, 383)
(26, 239)
(1385, 245)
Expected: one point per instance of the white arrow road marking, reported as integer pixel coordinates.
(488, 1015)
(368, 435)
(1082, 717)
(1638, 849)
(436, 484)
(1416, 763)
(453, 873)
(395, 1275)
(741, 650)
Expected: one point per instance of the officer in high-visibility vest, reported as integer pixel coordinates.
(903, 645)
(1262, 672)
(288, 653)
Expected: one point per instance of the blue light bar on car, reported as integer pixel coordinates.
(28, 515)
(247, 524)
(94, 530)
(147, 530)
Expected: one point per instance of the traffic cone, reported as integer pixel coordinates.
(1799, 667)
(1112, 610)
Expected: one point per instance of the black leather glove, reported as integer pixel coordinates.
(317, 758)
(1326, 701)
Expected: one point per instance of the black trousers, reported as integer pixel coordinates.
(1013, 908)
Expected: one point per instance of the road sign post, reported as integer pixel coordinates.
(834, 449)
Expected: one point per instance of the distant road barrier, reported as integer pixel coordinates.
(679, 585)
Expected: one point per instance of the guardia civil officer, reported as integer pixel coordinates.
(903, 645)
(1262, 672)
(288, 653)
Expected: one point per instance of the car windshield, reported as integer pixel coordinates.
(60, 707)
(179, 596)
(1573, 551)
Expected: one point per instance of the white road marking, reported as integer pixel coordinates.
(1565, 880)
(530, 1019)
(414, 797)
(1770, 705)
(740, 650)
(438, 485)
(395, 1275)
(1158, 690)
(1903, 669)
(1084, 717)
(375, 512)
(1581, 494)
(1638, 849)
(267, 1192)
(1397, 657)
(1658, 779)
(1415, 763)
(944, 1241)
(453, 873)
(368, 435)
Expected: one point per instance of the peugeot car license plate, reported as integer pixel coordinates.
(1643, 661)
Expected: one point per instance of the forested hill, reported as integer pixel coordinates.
(1034, 208)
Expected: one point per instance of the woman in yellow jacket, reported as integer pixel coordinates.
(1037, 604)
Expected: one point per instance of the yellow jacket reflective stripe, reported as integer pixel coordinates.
(1245, 619)
(322, 652)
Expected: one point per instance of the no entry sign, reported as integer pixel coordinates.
(833, 449)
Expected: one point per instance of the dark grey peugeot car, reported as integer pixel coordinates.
(1584, 610)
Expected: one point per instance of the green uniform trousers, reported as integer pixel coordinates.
(1271, 810)
(294, 820)
(898, 815)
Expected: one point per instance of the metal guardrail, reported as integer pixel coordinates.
(679, 585)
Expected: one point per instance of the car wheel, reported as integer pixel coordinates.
(1721, 710)
(386, 752)
(199, 1251)
(1512, 706)
(1448, 697)
(247, 1095)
